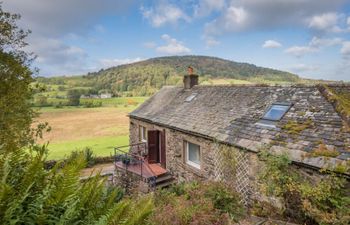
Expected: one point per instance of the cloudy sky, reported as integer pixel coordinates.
(307, 37)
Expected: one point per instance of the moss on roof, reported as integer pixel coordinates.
(340, 97)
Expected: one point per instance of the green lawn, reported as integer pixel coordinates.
(101, 146)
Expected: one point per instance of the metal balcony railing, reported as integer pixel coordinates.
(133, 158)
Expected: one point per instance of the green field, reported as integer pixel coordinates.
(101, 128)
(101, 146)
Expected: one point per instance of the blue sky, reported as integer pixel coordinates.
(307, 37)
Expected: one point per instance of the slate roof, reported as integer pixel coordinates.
(230, 114)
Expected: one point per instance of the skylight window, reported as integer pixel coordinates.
(276, 112)
(191, 97)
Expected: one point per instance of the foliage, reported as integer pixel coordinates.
(197, 203)
(324, 201)
(15, 77)
(146, 77)
(224, 200)
(341, 98)
(41, 101)
(92, 104)
(229, 162)
(73, 96)
(32, 195)
(88, 154)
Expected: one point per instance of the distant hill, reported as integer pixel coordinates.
(145, 77)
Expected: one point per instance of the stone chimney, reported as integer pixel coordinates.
(191, 79)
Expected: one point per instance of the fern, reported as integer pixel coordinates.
(29, 194)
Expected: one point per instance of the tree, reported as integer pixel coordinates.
(73, 96)
(41, 100)
(15, 76)
(29, 193)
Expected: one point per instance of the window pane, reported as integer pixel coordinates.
(276, 112)
(191, 97)
(193, 153)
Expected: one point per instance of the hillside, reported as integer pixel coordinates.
(145, 77)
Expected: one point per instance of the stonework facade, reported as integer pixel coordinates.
(211, 167)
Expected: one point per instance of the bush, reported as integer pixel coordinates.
(73, 96)
(59, 105)
(225, 200)
(321, 202)
(92, 104)
(87, 153)
(197, 203)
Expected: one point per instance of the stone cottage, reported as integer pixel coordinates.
(186, 127)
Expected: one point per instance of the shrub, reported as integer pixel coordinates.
(88, 154)
(92, 104)
(59, 105)
(225, 200)
(197, 203)
(73, 96)
(322, 202)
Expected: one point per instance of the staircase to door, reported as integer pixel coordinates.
(132, 160)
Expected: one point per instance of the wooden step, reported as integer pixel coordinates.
(164, 184)
(164, 178)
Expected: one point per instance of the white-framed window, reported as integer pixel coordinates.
(193, 154)
(143, 133)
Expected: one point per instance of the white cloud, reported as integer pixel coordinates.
(325, 42)
(106, 63)
(232, 19)
(325, 22)
(299, 51)
(211, 42)
(242, 15)
(345, 50)
(348, 21)
(172, 46)
(315, 45)
(205, 7)
(164, 13)
(54, 22)
(271, 44)
(55, 55)
(57, 18)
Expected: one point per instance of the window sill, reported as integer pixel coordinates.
(194, 165)
(194, 170)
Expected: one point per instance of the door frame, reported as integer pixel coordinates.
(156, 143)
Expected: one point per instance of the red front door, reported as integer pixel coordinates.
(153, 146)
(156, 147)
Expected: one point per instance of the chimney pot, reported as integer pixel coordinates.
(190, 81)
(190, 70)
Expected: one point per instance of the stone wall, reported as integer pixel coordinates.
(244, 178)
(211, 168)
(129, 181)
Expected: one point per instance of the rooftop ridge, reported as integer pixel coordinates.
(340, 84)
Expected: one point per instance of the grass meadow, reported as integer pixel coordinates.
(101, 128)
